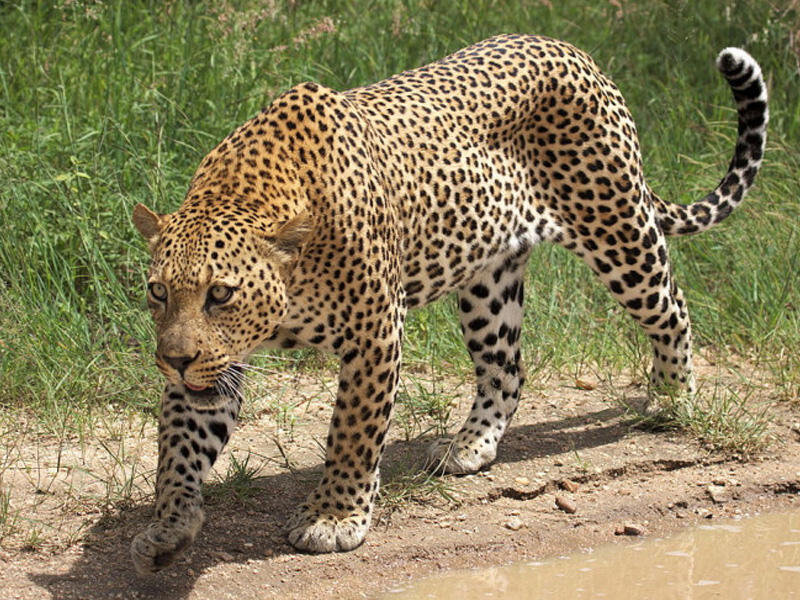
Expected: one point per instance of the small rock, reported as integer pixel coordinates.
(629, 529)
(566, 505)
(522, 480)
(221, 555)
(569, 485)
(514, 524)
(718, 494)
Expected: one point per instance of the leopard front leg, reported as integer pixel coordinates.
(337, 514)
(189, 441)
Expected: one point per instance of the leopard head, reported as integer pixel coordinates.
(217, 287)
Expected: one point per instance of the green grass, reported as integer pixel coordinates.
(8, 516)
(239, 482)
(725, 415)
(404, 483)
(425, 403)
(105, 104)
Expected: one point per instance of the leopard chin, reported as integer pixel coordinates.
(227, 386)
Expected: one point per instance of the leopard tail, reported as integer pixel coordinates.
(747, 84)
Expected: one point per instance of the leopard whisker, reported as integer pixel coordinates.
(231, 381)
(223, 386)
(254, 368)
(275, 357)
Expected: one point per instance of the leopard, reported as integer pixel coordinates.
(323, 219)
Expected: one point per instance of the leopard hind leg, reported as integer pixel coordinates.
(638, 274)
(491, 310)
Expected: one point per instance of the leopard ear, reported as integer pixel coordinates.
(293, 234)
(147, 222)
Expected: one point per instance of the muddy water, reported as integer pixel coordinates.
(750, 559)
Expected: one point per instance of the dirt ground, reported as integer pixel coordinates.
(571, 445)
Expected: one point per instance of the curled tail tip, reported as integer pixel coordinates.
(746, 82)
(733, 61)
(743, 74)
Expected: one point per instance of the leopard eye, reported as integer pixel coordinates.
(158, 291)
(220, 294)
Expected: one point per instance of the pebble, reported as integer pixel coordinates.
(566, 505)
(569, 485)
(522, 480)
(514, 524)
(718, 494)
(629, 529)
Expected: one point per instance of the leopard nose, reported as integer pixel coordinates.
(180, 363)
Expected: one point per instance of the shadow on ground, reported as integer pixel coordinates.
(239, 532)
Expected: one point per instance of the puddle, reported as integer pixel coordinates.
(750, 559)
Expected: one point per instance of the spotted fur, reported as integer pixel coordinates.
(324, 218)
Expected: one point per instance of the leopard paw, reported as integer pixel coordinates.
(664, 398)
(314, 531)
(158, 546)
(447, 455)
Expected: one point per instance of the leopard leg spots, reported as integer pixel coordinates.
(639, 276)
(670, 333)
(338, 513)
(491, 320)
(189, 441)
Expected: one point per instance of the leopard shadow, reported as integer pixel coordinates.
(238, 532)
